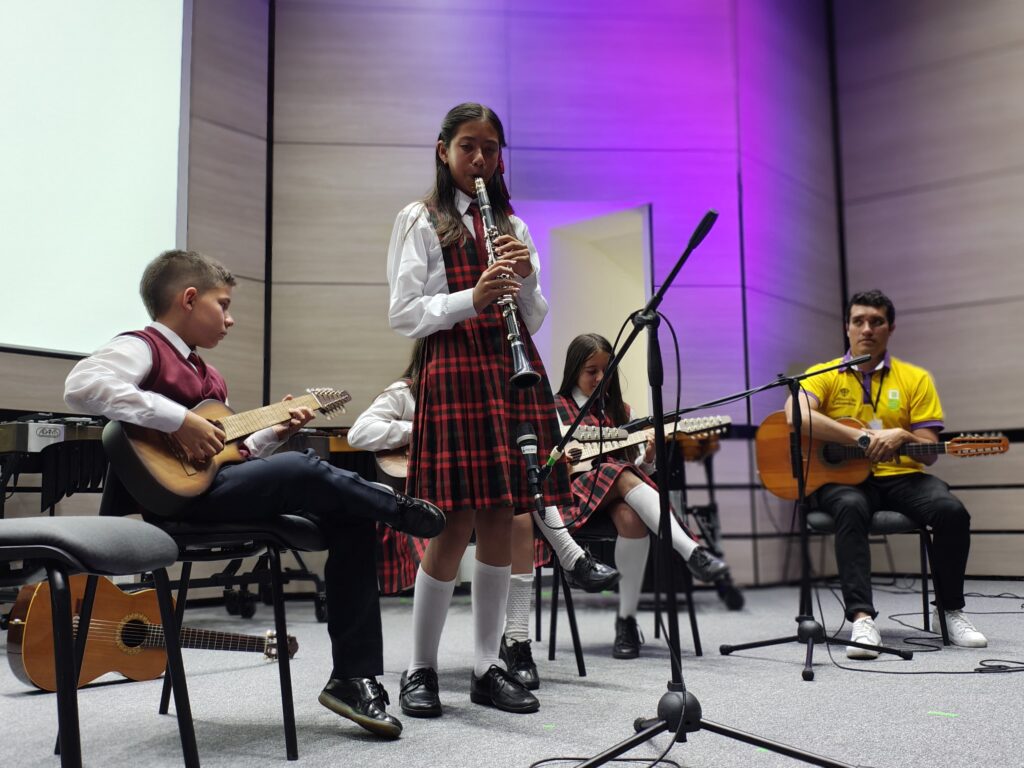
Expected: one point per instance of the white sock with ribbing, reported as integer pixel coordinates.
(631, 560)
(517, 612)
(646, 503)
(490, 594)
(429, 610)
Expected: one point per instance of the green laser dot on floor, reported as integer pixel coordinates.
(941, 714)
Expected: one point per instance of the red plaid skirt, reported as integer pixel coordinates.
(398, 557)
(464, 453)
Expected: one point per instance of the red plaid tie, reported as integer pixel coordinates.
(478, 230)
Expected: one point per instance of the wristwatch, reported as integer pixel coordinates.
(864, 440)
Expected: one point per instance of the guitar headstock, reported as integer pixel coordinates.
(329, 400)
(978, 445)
(704, 426)
(270, 650)
(586, 433)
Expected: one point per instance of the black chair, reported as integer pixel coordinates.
(204, 541)
(599, 531)
(56, 548)
(884, 523)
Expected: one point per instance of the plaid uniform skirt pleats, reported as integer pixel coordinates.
(398, 557)
(464, 453)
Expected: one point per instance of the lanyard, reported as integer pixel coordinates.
(881, 382)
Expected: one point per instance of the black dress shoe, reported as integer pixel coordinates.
(591, 575)
(706, 566)
(627, 638)
(419, 696)
(362, 700)
(497, 688)
(417, 517)
(519, 659)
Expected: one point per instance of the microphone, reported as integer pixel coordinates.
(526, 437)
(853, 361)
(702, 229)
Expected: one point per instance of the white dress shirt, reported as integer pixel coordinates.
(107, 384)
(387, 423)
(421, 302)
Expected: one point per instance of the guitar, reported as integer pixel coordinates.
(152, 466)
(122, 638)
(826, 462)
(581, 455)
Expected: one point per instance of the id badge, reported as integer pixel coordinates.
(875, 423)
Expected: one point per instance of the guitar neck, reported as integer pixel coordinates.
(243, 424)
(913, 450)
(205, 639)
(706, 425)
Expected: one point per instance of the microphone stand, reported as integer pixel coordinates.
(678, 710)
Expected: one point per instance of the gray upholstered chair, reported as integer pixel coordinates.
(54, 548)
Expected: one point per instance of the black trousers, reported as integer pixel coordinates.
(923, 498)
(346, 507)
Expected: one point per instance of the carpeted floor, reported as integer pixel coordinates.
(930, 711)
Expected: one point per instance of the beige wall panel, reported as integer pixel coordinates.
(998, 509)
(786, 338)
(771, 515)
(381, 75)
(589, 82)
(229, 63)
(34, 383)
(933, 125)
(996, 555)
(239, 357)
(227, 197)
(968, 350)
(27, 504)
(966, 238)
(781, 60)
(778, 560)
(640, 177)
(878, 39)
(996, 470)
(334, 209)
(335, 335)
(739, 553)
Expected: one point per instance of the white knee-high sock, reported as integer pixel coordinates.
(490, 594)
(566, 549)
(646, 503)
(429, 611)
(630, 559)
(517, 612)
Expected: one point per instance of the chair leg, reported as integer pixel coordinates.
(570, 611)
(81, 634)
(64, 666)
(925, 612)
(176, 670)
(937, 589)
(283, 662)
(554, 609)
(537, 603)
(179, 618)
(694, 630)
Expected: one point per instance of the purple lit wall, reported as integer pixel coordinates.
(683, 105)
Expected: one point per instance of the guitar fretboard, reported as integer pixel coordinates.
(240, 425)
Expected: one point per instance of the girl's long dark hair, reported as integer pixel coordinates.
(442, 197)
(412, 371)
(580, 350)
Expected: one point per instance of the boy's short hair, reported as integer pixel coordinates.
(874, 298)
(172, 272)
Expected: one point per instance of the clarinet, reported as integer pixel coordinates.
(523, 375)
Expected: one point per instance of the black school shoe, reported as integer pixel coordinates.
(706, 566)
(592, 575)
(627, 638)
(362, 700)
(419, 696)
(497, 688)
(519, 659)
(417, 517)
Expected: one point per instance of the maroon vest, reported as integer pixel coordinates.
(172, 376)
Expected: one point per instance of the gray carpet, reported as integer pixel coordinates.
(931, 718)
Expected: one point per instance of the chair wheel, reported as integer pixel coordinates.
(320, 608)
(807, 674)
(247, 605)
(232, 601)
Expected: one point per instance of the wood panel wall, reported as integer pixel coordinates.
(932, 153)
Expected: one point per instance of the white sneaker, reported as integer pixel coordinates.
(961, 630)
(865, 631)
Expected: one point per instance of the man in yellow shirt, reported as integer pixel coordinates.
(898, 405)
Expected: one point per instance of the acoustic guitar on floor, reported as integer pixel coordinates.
(125, 635)
(827, 462)
(153, 467)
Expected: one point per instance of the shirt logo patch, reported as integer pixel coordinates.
(893, 399)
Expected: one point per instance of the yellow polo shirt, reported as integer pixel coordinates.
(896, 394)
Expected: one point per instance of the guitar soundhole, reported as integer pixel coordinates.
(132, 637)
(832, 454)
